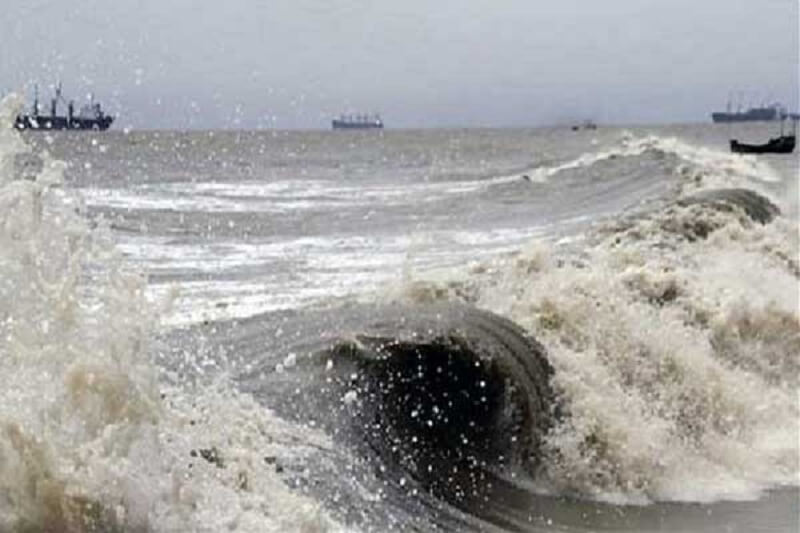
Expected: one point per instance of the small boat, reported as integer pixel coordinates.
(783, 144)
(777, 145)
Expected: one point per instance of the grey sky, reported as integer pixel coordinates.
(295, 63)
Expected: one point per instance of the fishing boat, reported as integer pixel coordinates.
(777, 145)
(89, 117)
(783, 144)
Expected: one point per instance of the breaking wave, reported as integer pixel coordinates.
(715, 167)
(673, 334)
(94, 436)
(447, 394)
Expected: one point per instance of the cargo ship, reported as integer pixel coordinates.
(357, 122)
(762, 113)
(90, 117)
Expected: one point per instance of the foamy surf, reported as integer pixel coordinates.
(674, 334)
(319, 269)
(278, 197)
(92, 436)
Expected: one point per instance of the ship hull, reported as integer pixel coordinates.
(49, 123)
(754, 115)
(779, 145)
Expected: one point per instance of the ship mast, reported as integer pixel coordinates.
(54, 101)
(36, 100)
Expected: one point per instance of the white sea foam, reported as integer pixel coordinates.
(257, 277)
(91, 439)
(156, 199)
(275, 197)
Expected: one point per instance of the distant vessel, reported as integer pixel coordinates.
(357, 122)
(762, 113)
(90, 116)
(587, 125)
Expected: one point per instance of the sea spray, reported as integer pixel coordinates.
(92, 438)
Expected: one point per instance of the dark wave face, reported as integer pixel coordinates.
(448, 394)
(757, 207)
(446, 397)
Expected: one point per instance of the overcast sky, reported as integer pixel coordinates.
(296, 63)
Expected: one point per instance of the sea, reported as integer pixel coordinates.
(536, 330)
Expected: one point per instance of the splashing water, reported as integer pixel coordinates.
(92, 438)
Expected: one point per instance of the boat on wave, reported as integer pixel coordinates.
(90, 117)
(778, 145)
(783, 144)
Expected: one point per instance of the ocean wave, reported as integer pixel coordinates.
(447, 394)
(673, 333)
(724, 169)
(637, 388)
(93, 435)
